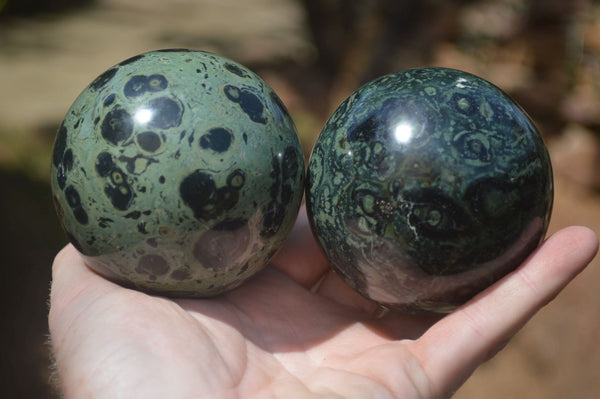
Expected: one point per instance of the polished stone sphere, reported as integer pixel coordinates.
(426, 186)
(177, 172)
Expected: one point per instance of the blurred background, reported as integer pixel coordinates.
(545, 53)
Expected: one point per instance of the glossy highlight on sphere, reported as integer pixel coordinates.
(426, 186)
(177, 172)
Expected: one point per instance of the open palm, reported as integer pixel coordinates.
(275, 337)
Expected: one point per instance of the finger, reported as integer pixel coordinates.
(71, 278)
(67, 255)
(300, 257)
(455, 346)
(75, 292)
(72, 281)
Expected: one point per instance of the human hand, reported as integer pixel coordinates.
(275, 337)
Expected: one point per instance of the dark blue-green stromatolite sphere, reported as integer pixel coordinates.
(426, 186)
(177, 172)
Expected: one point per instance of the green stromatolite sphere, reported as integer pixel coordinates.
(177, 172)
(426, 186)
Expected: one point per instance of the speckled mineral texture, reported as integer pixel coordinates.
(426, 186)
(177, 172)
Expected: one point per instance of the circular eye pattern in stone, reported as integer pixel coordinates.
(177, 172)
(426, 186)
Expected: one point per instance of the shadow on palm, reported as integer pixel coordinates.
(279, 315)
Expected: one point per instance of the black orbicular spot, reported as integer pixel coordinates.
(74, 201)
(148, 141)
(474, 147)
(131, 59)
(60, 144)
(236, 70)
(136, 86)
(61, 176)
(218, 139)
(276, 175)
(157, 82)
(180, 274)
(103, 79)
(154, 265)
(64, 166)
(120, 194)
(230, 224)
(252, 106)
(494, 201)
(109, 100)
(280, 111)
(116, 177)
(366, 201)
(134, 215)
(232, 93)
(67, 160)
(463, 104)
(117, 126)
(287, 193)
(365, 130)
(104, 222)
(167, 113)
(435, 215)
(272, 219)
(118, 191)
(227, 198)
(91, 240)
(290, 163)
(190, 139)
(104, 164)
(72, 197)
(236, 179)
(198, 191)
(141, 228)
(248, 102)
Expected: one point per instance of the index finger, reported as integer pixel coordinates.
(452, 348)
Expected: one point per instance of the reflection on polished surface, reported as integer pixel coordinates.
(143, 115)
(403, 132)
(426, 186)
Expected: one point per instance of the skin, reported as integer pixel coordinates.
(292, 331)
